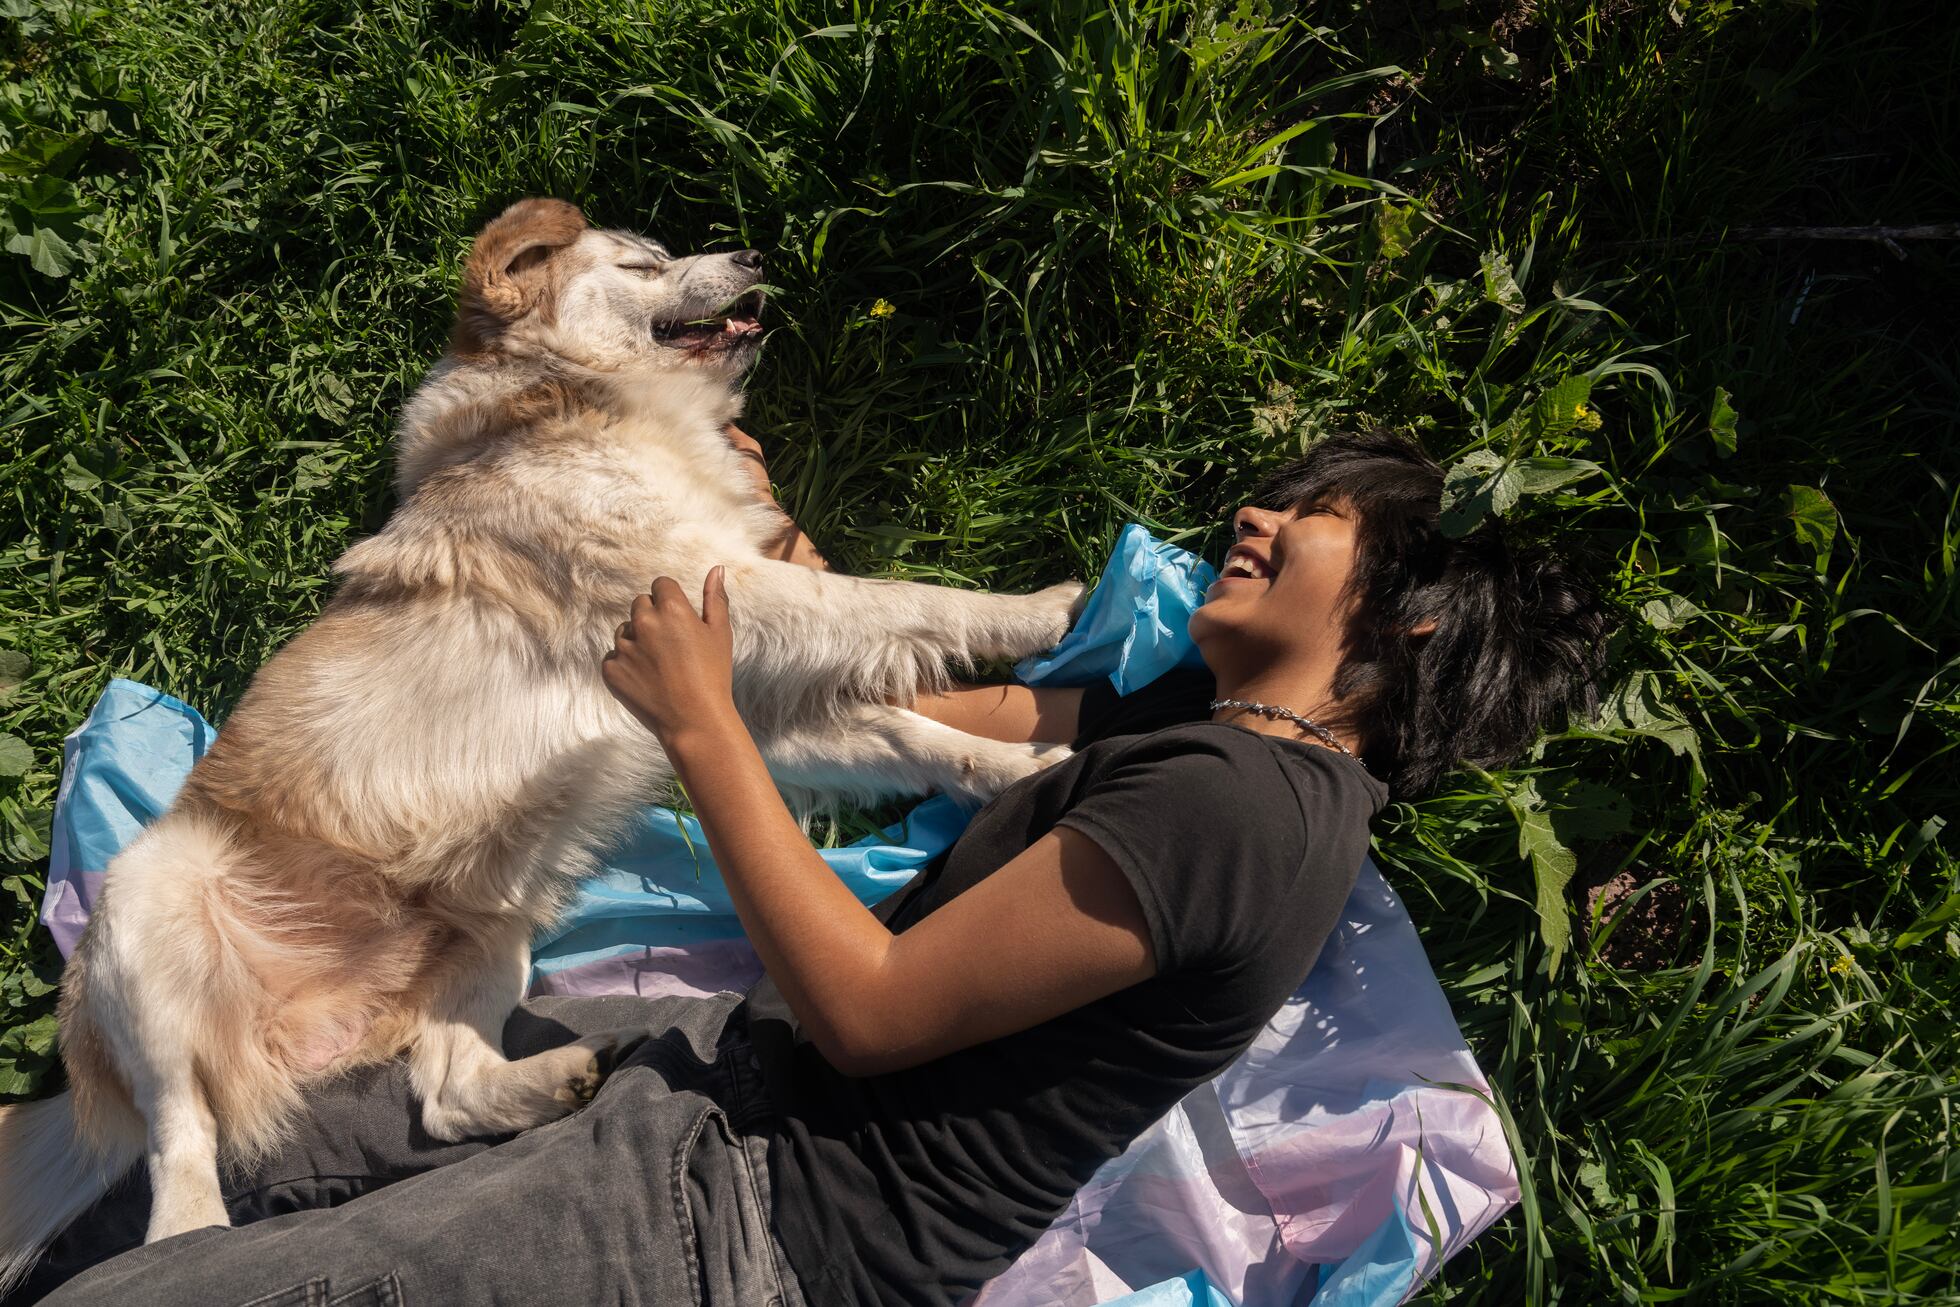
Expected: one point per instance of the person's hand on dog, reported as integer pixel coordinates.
(673, 668)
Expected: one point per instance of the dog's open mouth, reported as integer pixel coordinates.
(741, 324)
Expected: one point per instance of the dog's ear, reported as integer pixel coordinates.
(503, 278)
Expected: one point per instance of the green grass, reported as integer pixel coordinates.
(1135, 256)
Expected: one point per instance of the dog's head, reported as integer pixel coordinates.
(541, 281)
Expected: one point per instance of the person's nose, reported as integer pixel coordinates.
(1250, 521)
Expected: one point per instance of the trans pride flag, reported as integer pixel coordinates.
(1338, 1161)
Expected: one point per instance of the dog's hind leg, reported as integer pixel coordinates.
(165, 998)
(183, 1156)
(870, 752)
(180, 1129)
(456, 1061)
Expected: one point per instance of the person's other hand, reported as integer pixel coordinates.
(751, 450)
(792, 546)
(671, 667)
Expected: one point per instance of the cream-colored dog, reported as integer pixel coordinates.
(416, 782)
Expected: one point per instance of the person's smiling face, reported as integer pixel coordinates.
(1279, 592)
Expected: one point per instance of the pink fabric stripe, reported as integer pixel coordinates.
(64, 911)
(698, 970)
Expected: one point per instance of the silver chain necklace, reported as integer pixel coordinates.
(1285, 714)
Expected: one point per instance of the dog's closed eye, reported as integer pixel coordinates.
(644, 269)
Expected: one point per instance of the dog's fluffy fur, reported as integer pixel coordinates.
(416, 782)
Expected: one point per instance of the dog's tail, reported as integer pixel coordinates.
(49, 1175)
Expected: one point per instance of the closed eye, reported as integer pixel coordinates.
(644, 269)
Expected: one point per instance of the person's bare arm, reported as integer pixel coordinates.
(792, 546)
(870, 1000)
(1019, 714)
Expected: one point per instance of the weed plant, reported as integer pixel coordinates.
(1047, 268)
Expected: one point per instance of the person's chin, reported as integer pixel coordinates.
(1217, 615)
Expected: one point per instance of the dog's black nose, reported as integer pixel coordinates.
(750, 259)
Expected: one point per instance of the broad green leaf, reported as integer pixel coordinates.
(1593, 1176)
(1721, 423)
(1499, 63)
(24, 836)
(1394, 227)
(1501, 284)
(1814, 518)
(15, 756)
(39, 150)
(1636, 708)
(39, 1037)
(77, 477)
(13, 670)
(50, 201)
(1552, 866)
(1668, 614)
(43, 248)
(1539, 476)
(1482, 483)
(1479, 484)
(36, 1037)
(332, 399)
(1559, 408)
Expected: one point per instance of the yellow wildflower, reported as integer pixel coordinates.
(1586, 419)
(884, 308)
(1842, 967)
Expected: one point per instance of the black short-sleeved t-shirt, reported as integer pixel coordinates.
(917, 1186)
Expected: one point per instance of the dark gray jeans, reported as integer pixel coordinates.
(655, 1193)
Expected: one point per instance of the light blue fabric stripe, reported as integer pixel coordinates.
(1136, 626)
(1192, 1289)
(141, 743)
(1380, 1273)
(663, 890)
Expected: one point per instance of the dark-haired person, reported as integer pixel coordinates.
(913, 1092)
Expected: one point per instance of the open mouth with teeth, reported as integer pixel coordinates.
(741, 324)
(1244, 565)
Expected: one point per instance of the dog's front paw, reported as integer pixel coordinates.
(505, 1097)
(989, 772)
(1052, 612)
(581, 1078)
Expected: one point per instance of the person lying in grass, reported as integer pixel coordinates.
(913, 1092)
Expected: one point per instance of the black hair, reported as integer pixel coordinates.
(1520, 633)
